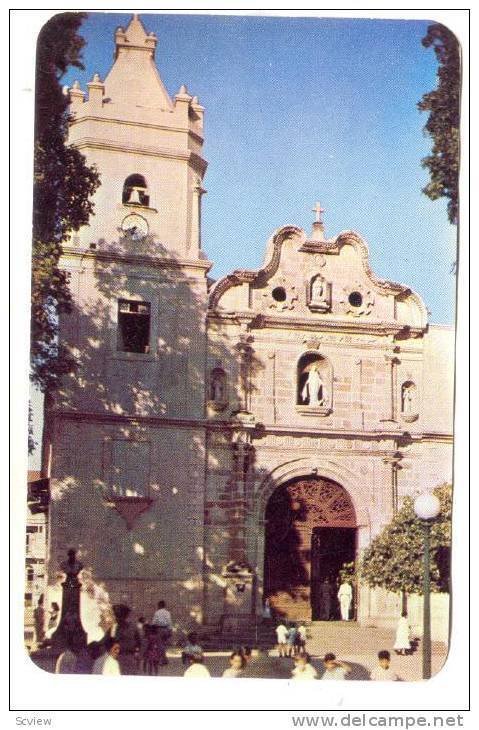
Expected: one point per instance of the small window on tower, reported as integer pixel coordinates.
(133, 326)
(135, 191)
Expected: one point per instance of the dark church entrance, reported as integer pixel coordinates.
(310, 535)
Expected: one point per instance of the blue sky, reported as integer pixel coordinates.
(306, 109)
(299, 110)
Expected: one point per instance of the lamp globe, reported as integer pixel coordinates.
(427, 506)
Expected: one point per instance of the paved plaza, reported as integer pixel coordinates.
(357, 645)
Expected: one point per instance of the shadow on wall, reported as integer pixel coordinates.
(139, 341)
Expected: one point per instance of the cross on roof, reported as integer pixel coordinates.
(318, 210)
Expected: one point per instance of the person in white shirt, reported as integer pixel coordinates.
(196, 669)
(402, 644)
(383, 672)
(282, 639)
(162, 617)
(303, 669)
(345, 596)
(108, 663)
(334, 669)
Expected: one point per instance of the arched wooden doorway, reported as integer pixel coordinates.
(310, 533)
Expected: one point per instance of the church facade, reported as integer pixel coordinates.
(226, 442)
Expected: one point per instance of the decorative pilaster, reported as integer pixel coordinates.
(391, 386)
(198, 192)
(245, 352)
(272, 382)
(394, 462)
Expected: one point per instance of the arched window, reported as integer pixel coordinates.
(135, 191)
(314, 381)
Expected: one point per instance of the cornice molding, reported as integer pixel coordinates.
(232, 425)
(320, 323)
(129, 123)
(188, 155)
(149, 261)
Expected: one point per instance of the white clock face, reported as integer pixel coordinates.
(135, 226)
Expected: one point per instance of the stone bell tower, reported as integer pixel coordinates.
(148, 149)
(124, 436)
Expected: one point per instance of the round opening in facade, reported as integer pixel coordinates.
(279, 294)
(355, 299)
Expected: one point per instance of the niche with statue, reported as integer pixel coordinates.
(314, 384)
(318, 294)
(218, 397)
(409, 402)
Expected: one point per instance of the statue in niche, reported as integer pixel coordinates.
(319, 293)
(218, 397)
(313, 390)
(408, 398)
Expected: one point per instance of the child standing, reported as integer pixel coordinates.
(153, 650)
(282, 635)
(292, 637)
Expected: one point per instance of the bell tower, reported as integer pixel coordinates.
(148, 150)
(124, 434)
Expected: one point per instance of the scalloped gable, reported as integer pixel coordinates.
(291, 241)
(133, 80)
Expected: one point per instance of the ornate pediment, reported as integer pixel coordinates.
(309, 285)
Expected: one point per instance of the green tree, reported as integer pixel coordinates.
(63, 186)
(394, 560)
(443, 105)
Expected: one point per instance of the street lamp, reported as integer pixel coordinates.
(427, 507)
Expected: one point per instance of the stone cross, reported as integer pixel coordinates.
(318, 210)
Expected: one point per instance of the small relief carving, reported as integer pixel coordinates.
(312, 343)
(282, 295)
(218, 395)
(319, 259)
(357, 300)
(409, 407)
(319, 294)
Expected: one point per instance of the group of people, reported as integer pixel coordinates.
(140, 648)
(335, 669)
(291, 639)
(126, 648)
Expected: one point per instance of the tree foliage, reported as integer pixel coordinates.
(443, 105)
(63, 186)
(394, 560)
